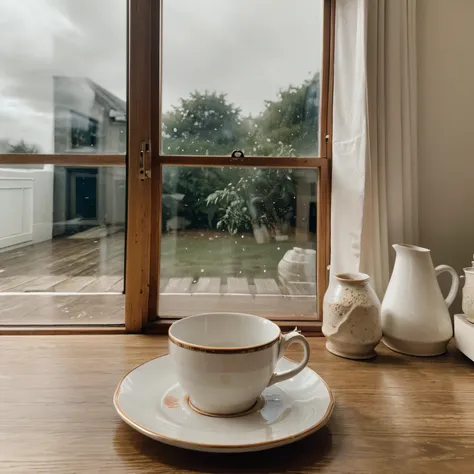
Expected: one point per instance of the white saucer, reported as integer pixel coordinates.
(151, 401)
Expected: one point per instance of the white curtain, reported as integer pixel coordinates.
(374, 189)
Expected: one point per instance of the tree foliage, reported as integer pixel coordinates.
(261, 197)
(290, 122)
(235, 199)
(204, 124)
(195, 183)
(23, 147)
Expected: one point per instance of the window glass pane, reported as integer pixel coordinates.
(62, 244)
(241, 74)
(239, 239)
(63, 84)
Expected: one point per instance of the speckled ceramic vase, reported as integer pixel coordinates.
(351, 320)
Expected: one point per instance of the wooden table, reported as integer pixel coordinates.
(395, 414)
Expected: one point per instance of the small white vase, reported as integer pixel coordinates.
(298, 265)
(468, 294)
(351, 321)
(297, 271)
(415, 316)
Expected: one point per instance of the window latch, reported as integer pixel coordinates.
(145, 160)
(237, 156)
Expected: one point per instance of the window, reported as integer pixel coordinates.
(244, 188)
(62, 162)
(238, 238)
(234, 81)
(190, 138)
(83, 132)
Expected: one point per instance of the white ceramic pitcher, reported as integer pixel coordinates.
(415, 316)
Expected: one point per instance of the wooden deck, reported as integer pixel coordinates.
(108, 308)
(38, 282)
(266, 297)
(79, 280)
(94, 264)
(59, 310)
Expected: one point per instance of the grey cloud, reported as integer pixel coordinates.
(247, 48)
(40, 39)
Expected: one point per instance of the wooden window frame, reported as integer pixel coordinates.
(154, 321)
(70, 159)
(137, 13)
(144, 195)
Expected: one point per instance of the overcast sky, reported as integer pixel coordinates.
(246, 48)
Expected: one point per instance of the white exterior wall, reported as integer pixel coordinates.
(26, 205)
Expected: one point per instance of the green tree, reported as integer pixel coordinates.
(289, 125)
(203, 124)
(195, 184)
(260, 197)
(207, 124)
(23, 147)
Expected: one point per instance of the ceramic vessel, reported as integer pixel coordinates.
(298, 264)
(224, 361)
(468, 294)
(151, 401)
(297, 270)
(415, 316)
(351, 320)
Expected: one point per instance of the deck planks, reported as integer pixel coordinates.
(267, 286)
(95, 265)
(208, 285)
(238, 286)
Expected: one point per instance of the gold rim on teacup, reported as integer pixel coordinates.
(223, 350)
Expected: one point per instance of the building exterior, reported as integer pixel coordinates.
(38, 202)
(88, 119)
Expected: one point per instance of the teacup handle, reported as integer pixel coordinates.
(293, 337)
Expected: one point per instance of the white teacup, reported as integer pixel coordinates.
(224, 361)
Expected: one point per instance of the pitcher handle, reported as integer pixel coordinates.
(454, 284)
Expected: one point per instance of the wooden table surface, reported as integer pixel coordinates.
(395, 414)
